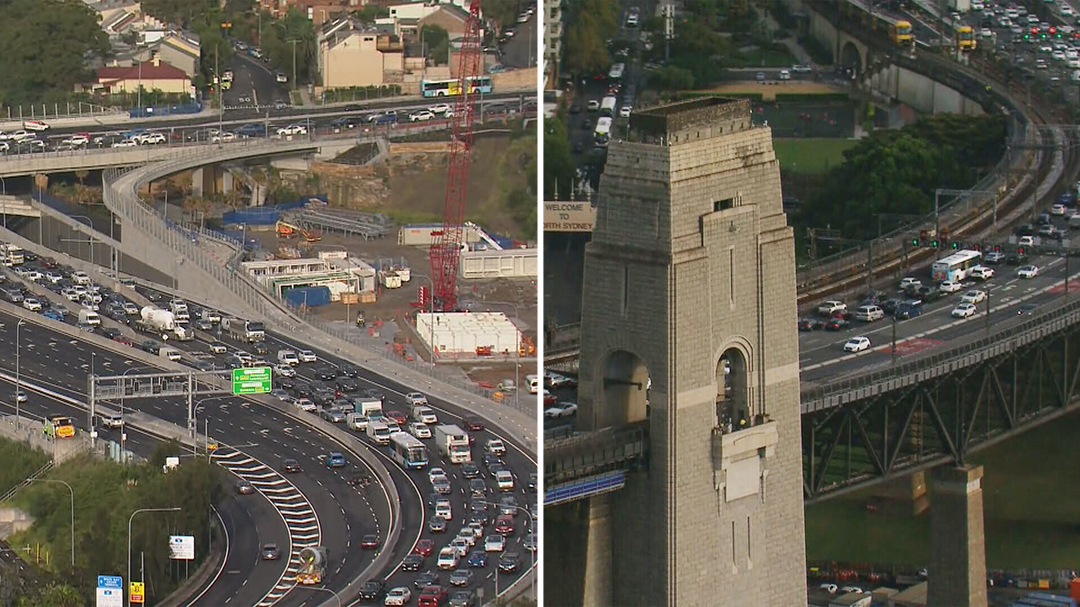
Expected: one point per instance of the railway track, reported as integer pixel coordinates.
(856, 277)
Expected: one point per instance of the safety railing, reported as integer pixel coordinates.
(897, 376)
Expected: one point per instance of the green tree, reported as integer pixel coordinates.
(558, 164)
(672, 78)
(437, 42)
(502, 12)
(371, 12)
(45, 45)
(584, 51)
(277, 43)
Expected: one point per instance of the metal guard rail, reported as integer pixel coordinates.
(565, 459)
(907, 374)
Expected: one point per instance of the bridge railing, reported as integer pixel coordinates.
(903, 375)
(589, 454)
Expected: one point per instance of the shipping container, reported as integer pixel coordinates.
(307, 296)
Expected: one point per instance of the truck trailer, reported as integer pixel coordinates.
(454, 443)
(313, 561)
(157, 321)
(250, 331)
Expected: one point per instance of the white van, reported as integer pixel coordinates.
(89, 317)
(378, 432)
(869, 313)
(534, 383)
(785, 75)
(288, 357)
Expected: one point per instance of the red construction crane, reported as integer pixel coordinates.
(446, 250)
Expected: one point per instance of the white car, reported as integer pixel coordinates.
(950, 286)
(54, 277)
(909, 282)
(436, 473)
(70, 294)
(31, 304)
(439, 108)
(281, 77)
(495, 446)
(986, 33)
(421, 116)
(494, 543)
(21, 136)
(973, 297)
(801, 69)
(1057, 209)
(1058, 56)
(981, 272)
(857, 344)
(76, 140)
(1029, 271)
(127, 143)
(226, 137)
(855, 589)
(292, 129)
(448, 558)
(593, 105)
(398, 596)
(830, 588)
(284, 370)
(218, 348)
(305, 404)
(624, 111)
(561, 410)
(148, 138)
(34, 275)
(415, 399)
(964, 310)
(307, 356)
(420, 430)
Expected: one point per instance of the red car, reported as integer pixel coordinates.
(369, 541)
(424, 547)
(397, 416)
(49, 263)
(549, 399)
(504, 524)
(432, 596)
(122, 339)
(474, 424)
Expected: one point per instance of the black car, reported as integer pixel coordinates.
(474, 424)
(270, 552)
(346, 384)
(285, 383)
(291, 466)
(110, 332)
(490, 459)
(348, 371)
(1015, 259)
(509, 561)
(1027, 309)
(326, 374)
(413, 562)
(303, 390)
(371, 590)
(927, 293)
(1025, 230)
(810, 324)
(873, 298)
(470, 470)
(575, 108)
(531, 485)
(1043, 219)
(260, 348)
(836, 324)
(29, 257)
(427, 578)
(344, 122)
(889, 305)
(579, 147)
(150, 346)
(462, 598)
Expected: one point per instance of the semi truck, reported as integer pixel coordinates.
(250, 331)
(454, 442)
(157, 321)
(313, 560)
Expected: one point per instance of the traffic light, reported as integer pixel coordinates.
(1019, 250)
(1027, 36)
(915, 242)
(997, 248)
(955, 245)
(934, 243)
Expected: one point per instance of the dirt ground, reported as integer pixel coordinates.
(497, 166)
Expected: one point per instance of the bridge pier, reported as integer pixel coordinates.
(599, 589)
(957, 542)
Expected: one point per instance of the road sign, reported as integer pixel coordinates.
(182, 547)
(251, 380)
(110, 591)
(135, 593)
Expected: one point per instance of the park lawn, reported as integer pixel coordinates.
(1031, 503)
(811, 155)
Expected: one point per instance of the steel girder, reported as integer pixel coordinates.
(941, 420)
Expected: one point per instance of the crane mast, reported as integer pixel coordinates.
(445, 251)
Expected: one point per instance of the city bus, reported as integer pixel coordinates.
(442, 88)
(965, 38)
(602, 135)
(408, 451)
(11, 255)
(607, 106)
(956, 266)
(900, 33)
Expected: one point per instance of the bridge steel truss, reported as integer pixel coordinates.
(941, 408)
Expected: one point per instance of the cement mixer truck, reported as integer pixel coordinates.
(163, 324)
(313, 560)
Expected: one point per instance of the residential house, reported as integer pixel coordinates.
(451, 18)
(181, 49)
(319, 11)
(553, 28)
(352, 54)
(153, 74)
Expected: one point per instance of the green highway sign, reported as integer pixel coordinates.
(252, 380)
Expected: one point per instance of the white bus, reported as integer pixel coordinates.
(11, 255)
(616, 71)
(607, 106)
(956, 266)
(602, 134)
(408, 451)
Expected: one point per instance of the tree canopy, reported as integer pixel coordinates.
(277, 43)
(558, 164)
(437, 42)
(898, 171)
(590, 23)
(45, 44)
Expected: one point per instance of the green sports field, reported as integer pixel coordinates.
(811, 155)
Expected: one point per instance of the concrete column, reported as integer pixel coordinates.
(599, 589)
(226, 181)
(957, 543)
(197, 182)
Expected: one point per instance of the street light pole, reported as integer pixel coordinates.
(174, 509)
(72, 491)
(91, 236)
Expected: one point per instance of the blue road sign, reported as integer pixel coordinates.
(110, 581)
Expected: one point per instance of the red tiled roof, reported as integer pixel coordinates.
(163, 71)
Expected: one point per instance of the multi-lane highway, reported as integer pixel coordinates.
(345, 513)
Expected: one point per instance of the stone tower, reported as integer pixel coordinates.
(689, 328)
